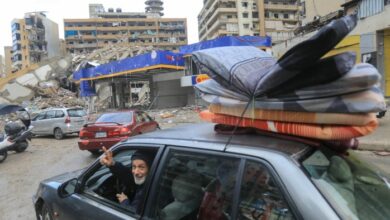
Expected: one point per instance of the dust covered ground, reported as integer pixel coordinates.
(46, 157)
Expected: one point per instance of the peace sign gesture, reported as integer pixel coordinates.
(107, 159)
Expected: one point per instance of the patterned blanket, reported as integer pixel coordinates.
(322, 132)
(355, 92)
(298, 117)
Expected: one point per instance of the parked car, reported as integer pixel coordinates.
(111, 128)
(59, 121)
(195, 174)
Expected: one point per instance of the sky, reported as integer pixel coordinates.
(65, 9)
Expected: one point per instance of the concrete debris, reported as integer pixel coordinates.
(112, 52)
(382, 153)
(60, 98)
(166, 115)
(182, 115)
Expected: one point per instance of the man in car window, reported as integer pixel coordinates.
(140, 165)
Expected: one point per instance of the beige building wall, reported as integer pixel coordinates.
(320, 8)
(2, 67)
(62, 47)
(8, 59)
(93, 33)
(249, 17)
(38, 41)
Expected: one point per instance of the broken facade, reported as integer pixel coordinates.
(35, 38)
(126, 29)
(150, 80)
(41, 80)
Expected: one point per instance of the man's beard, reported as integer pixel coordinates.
(139, 181)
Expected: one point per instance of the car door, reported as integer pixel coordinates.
(186, 178)
(38, 124)
(207, 185)
(48, 122)
(96, 198)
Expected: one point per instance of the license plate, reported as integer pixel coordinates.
(101, 134)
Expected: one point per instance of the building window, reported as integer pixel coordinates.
(246, 26)
(276, 15)
(255, 15)
(245, 15)
(285, 16)
(267, 14)
(229, 16)
(245, 4)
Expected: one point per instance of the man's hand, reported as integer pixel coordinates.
(121, 197)
(107, 159)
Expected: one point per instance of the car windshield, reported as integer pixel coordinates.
(76, 113)
(118, 117)
(354, 188)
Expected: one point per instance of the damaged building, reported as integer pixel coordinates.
(142, 29)
(150, 80)
(158, 79)
(34, 39)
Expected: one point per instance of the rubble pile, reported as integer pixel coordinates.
(175, 116)
(60, 98)
(112, 52)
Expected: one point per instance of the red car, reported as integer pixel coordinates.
(110, 128)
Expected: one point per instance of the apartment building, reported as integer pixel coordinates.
(127, 28)
(34, 39)
(314, 9)
(274, 18)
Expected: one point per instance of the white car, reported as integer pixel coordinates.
(59, 121)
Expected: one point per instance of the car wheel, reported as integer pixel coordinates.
(58, 134)
(95, 152)
(46, 214)
(22, 146)
(3, 156)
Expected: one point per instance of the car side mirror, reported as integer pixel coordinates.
(68, 188)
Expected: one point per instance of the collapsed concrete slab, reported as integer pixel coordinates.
(28, 79)
(2, 100)
(43, 72)
(16, 93)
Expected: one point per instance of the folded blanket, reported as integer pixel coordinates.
(359, 102)
(361, 77)
(323, 132)
(298, 117)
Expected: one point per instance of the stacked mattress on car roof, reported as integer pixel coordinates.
(301, 94)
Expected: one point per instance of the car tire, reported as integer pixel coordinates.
(58, 134)
(46, 213)
(22, 146)
(3, 156)
(95, 152)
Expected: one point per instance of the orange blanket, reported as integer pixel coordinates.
(298, 117)
(323, 132)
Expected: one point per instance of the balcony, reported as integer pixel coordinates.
(84, 28)
(78, 46)
(281, 7)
